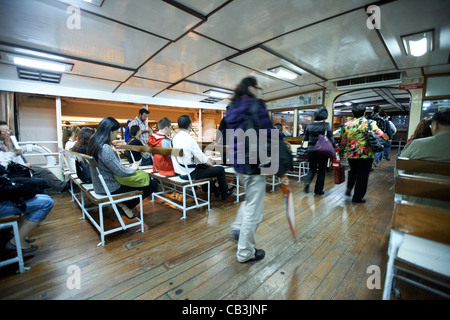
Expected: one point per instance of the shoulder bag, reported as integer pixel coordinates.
(138, 179)
(375, 142)
(324, 146)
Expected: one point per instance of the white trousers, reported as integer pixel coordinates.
(249, 215)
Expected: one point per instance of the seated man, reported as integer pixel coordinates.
(8, 154)
(162, 163)
(198, 165)
(144, 157)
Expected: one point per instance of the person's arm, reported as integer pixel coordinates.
(110, 159)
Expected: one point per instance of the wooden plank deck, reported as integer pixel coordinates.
(194, 259)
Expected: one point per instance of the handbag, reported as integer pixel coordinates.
(324, 146)
(17, 170)
(376, 143)
(138, 179)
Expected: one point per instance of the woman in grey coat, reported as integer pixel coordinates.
(109, 165)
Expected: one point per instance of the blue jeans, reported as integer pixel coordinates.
(387, 150)
(37, 208)
(377, 158)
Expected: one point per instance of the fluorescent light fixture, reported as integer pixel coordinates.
(348, 104)
(218, 94)
(96, 2)
(284, 73)
(40, 64)
(419, 43)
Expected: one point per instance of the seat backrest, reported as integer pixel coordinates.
(422, 166)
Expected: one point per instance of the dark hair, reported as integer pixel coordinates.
(376, 109)
(423, 129)
(102, 136)
(184, 121)
(358, 110)
(84, 136)
(143, 110)
(383, 114)
(279, 126)
(3, 123)
(242, 89)
(320, 114)
(134, 130)
(164, 122)
(442, 117)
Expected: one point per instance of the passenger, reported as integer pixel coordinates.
(144, 157)
(389, 133)
(34, 208)
(162, 163)
(316, 161)
(70, 135)
(381, 125)
(8, 154)
(141, 121)
(250, 213)
(355, 147)
(84, 136)
(198, 165)
(109, 165)
(436, 147)
(423, 130)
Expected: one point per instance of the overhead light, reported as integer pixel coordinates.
(418, 44)
(348, 104)
(284, 73)
(40, 64)
(96, 2)
(218, 94)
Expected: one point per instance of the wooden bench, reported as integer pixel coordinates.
(99, 201)
(419, 243)
(173, 185)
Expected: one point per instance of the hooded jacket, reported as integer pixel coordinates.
(161, 163)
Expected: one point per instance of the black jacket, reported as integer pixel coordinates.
(312, 132)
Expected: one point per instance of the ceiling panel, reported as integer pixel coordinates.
(251, 19)
(204, 7)
(158, 18)
(227, 74)
(261, 60)
(419, 16)
(139, 86)
(184, 57)
(43, 26)
(343, 45)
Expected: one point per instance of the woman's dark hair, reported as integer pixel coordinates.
(242, 89)
(423, 129)
(320, 114)
(442, 117)
(102, 136)
(184, 121)
(134, 130)
(358, 110)
(84, 136)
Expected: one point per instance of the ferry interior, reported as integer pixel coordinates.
(73, 62)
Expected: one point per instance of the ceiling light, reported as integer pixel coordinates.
(284, 73)
(96, 2)
(419, 43)
(40, 64)
(218, 94)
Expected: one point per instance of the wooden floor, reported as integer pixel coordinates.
(194, 259)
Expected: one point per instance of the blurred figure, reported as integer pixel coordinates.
(162, 163)
(248, 96)
(84, 136)
(423, 130)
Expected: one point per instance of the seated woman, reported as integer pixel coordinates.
(19, 197)
(144, 157)
(109, 165)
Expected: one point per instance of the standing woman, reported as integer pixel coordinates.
(109, 165)
(247, 97)
(355, 147)
(316, 161)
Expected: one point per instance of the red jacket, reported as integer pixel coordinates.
(161, 163)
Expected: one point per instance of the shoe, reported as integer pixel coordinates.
(234, 235)
(359, 200)
(10, 247)
(319, 193)
(125, 211)
(229, 193)
(388, 159)
(9, 236)
(348, 192)
(259, 254)
(306, 188)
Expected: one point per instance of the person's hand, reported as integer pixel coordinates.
(135, 165)
(29, 165)
(209, 163)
